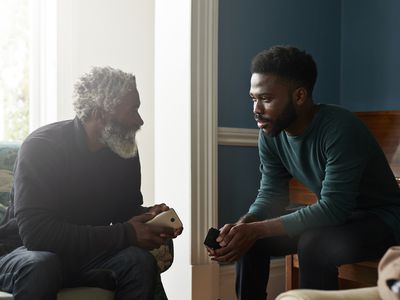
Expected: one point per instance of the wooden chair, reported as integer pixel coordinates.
(385, 126)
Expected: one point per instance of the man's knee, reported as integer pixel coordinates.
(43, 265)
(317, 248)
(40, 275)
(138, 259)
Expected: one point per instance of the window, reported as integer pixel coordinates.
(14, 69)
(28, 77)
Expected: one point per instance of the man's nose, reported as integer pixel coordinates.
(257, 107)
(138, 120)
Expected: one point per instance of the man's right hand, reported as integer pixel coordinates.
(149, 236)
(225, 231)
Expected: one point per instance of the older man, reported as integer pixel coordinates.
(76, 204)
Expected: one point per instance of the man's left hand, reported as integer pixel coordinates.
(237, 241)
(158, 208)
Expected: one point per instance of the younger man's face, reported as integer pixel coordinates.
(273, 105)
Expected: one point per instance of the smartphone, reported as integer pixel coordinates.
(167, 218)
(211, 239)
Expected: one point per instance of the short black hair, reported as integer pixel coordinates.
(287, 62)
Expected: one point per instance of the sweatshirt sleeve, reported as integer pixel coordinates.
(273, 194)
(347, 148)
(37, 186)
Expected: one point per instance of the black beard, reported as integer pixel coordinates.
(260, 117)
(287, 117)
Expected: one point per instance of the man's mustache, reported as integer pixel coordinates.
(260, 117)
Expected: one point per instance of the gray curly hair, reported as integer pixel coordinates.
(102, 87)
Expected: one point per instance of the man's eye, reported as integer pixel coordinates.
(266, 99)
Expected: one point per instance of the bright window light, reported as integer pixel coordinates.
(14, 69)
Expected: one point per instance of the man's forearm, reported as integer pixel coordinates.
(266, 228)
(269, 228)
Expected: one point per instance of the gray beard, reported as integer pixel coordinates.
(120, 141)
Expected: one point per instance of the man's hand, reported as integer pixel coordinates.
(235, 240)
(158, 208)
(177, 232)
(150, 236)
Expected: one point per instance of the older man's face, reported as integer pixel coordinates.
(122, 124)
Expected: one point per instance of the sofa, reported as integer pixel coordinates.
(163, 255)
(368, 293)
(387, 286)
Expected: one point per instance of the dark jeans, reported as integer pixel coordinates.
(363, 237)
(40, 275)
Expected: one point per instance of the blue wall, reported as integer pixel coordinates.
(370, 73)
(238, 183)
(247, 27)
(356, 45)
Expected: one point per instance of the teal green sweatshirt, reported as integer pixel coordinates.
(340, 161)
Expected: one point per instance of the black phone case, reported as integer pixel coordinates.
(211, 237)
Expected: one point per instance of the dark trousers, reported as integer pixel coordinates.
(40, 275)
(363, 237)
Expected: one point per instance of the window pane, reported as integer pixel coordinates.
(14, 69)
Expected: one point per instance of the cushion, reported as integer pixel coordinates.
(82, 293)
(164, 256)
(5, 296)
(389, 274)
(85, 293)
(8, 154)
(370, 293)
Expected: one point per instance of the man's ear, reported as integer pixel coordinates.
(98, 115)
(98, 119)
(300, 95)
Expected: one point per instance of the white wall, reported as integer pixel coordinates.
(120, 34)
(173, 126)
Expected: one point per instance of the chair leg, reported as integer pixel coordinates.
(291, 274)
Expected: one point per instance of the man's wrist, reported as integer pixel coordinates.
(130, 233)
(248, 218)
(269, 228)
